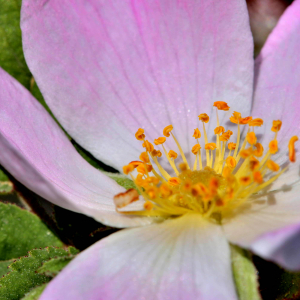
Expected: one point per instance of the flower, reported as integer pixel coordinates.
(108, 68)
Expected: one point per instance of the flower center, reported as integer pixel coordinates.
(214, 187)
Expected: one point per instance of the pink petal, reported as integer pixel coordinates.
(277, 71)
(38, 154)
(272, 211)
(107, 68)
(184, 258)
(281, 246)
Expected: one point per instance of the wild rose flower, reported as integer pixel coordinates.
(108, 68)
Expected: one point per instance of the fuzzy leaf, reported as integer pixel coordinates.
(35, 293)
(24, 276)
(22, 231)
(54, 266)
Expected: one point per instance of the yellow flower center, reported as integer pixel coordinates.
(233, 171)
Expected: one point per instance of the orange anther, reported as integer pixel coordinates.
(135, 163)
(246, 153)
(257, 177)
(254, 163)
(149, 147)
(204, 118)
(226, 171)
(272, 165)
(237, 119)
(165, 190)
(167, 130)
(144, 157)
(152, 179)
(273, 146)
(231, 146)
(183, 166)
(140, 134)
(197, 133)
(187, 186)
(172, 154)
(245, 180)
(292, 152)
(219, 130)
(141, 168)
(159, 140)
(210, 146)
(226, 136)
(256, 122)
(156, 153)
(276, 125)
(152, 192)
(174, 181)
(251, 138)
(221, 105)
(230, 162)
(139, 180)
(199, 189)
(259, 150)
(126, 198)
(148, 205)
(213, 184)
(196, 148)
(128, 169)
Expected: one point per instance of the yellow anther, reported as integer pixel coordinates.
(140, 134)
(219, 129)
(149, 147)
(221, 105)
(148, 205)
(230, 162)
(231, 146)
(165, 190)
(172, 154)
(174, 181)
(254, 163)
(276, 125)
(292, 152)
(144, 157)
(246, 153)
(152, 179)
(167, 130)
(204, 118)
(210, 146)
(237, 119)
(141, 168)
(257, 177)
(251, 138)
(183, 167)
(156, 153)
(256, 122)
(196, 148)
(128, 169)
(159, 140)
(259, 150)
(197, 133)
(273, 146)
(135, 163)
(272, 165)
(245, 180)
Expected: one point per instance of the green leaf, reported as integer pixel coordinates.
(22, 231)
(35, 293)
(4, 267)
(24, 276)
(54, 266)
(245, 274)
(122, 180)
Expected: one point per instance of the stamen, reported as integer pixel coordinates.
(216, 192)
(292, 152)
